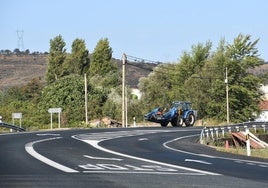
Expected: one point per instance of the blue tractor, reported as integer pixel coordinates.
(180, 112)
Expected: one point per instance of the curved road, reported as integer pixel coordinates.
(148, 157)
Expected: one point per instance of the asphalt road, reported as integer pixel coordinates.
(140, 157)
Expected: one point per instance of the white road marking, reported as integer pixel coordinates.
(144, 172)
(263, 166)
(29, 148)
(257, 164)
(103, 158)
(208, 156)
(141, 139)
(47, 134)
(197, 161)
(95, 143)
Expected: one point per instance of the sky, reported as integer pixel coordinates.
(157, 30)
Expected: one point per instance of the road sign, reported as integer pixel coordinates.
(54, 110)
(17, 115)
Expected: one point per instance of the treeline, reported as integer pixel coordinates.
(18, 52)
(65, 87)
(200, 76)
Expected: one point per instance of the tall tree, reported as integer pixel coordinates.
(101, 59)
(103, 71)
(78, 61)
(56, 58)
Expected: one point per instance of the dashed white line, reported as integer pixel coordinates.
(197, 161)
(142, 139)
(211, 156)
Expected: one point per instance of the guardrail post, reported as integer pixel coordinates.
(212, 133)
(229, 129)
(237, 128)
(201, 137)
(263, 126)
(206, 130)
(222, 131)
(216, 131)
(255, 129)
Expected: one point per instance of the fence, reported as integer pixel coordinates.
(212, 133)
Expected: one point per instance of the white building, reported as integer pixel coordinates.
(136, 92)
(264, 105)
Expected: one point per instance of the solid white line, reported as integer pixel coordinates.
(29, 148)
(103, 158)
(144, 172)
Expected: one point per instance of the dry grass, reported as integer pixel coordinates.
(19, 70)
(261, 153)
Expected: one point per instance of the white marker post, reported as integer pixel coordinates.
(54, 110)
(248, 142)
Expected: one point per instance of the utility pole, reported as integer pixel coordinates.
(20, 40)
(86, 99)
(227, 96)
(124, 58)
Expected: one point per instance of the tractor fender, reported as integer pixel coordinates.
(186, 113)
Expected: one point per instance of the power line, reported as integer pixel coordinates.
(163, 67)
(142, 60)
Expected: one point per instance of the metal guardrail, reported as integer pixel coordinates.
(212, 133)
(14, 127)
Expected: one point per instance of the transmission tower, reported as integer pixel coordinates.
(20, 40)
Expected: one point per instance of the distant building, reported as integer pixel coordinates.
(263, 117)
(264, 112)
(136, 92)
(264, 88)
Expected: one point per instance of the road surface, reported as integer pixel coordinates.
(129, 157)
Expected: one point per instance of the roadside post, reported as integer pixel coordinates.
(248, 142)
(54, 110)
(134, 121)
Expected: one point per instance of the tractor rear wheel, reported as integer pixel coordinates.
(177, 122)
(190, 119)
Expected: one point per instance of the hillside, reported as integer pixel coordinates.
(19, 70)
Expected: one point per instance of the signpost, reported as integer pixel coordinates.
(16, 116)
(54, 110)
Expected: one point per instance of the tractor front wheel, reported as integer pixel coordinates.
(164, 124)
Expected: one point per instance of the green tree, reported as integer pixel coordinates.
(78, 61)
(101, 59)
(103, 72)
(68, 93)
(156, 86)
(244, 87)
(56, 58)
